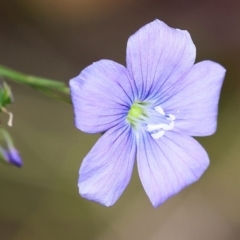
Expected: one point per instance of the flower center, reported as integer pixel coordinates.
(153, 120)
(136, 114)
(135, 111)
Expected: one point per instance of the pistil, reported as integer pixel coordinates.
(153, 120)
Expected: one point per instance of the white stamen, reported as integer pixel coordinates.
(171, 117)
(170, 126)
(158, 130)
(158, 134)
(152, 127)
(159, 110)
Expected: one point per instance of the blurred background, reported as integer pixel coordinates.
(57, 39)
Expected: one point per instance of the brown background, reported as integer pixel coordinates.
(57, 39)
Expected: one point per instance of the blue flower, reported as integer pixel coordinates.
(11, 156)
(8, 152)
(147, 111)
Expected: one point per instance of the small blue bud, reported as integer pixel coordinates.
(8, 153)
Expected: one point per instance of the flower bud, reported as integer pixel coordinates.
(8, 153)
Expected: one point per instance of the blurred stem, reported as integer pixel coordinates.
(51, 94)
(45, 85)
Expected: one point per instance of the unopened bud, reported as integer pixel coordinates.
(8, 153)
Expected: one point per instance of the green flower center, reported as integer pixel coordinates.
(136, 113)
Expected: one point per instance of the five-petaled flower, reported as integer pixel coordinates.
(147, 111)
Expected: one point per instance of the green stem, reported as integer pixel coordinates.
(33, 81)
(51, 94)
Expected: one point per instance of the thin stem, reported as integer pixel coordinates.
(33, 81)
(51, 94)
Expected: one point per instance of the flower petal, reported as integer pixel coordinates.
(106, 170)
(169, 164)
(157, 56)
(101, 96)
(195, 103)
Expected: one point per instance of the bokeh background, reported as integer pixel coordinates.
(57, 39)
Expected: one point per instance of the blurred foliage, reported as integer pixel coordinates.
(6, 96)
(51, 88)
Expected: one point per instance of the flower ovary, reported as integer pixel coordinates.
(135, 114)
